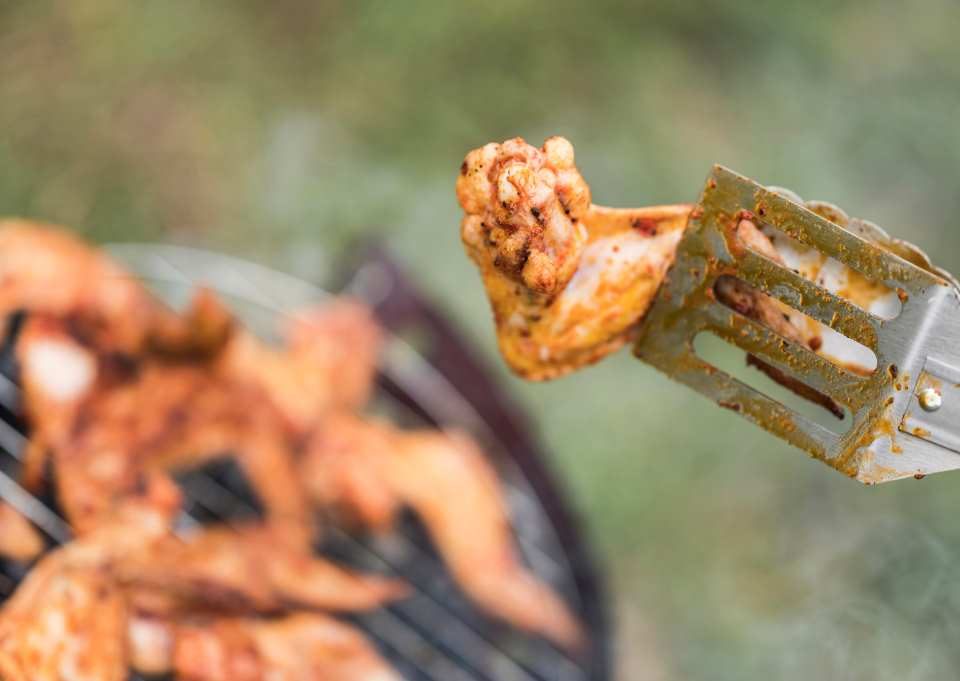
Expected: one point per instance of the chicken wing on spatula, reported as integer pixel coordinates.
(830, 307)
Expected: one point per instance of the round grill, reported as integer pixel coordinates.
(428, 376)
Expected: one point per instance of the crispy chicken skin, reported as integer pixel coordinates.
(302, 647)
(19, 540)
(373, 468)
(566, 279)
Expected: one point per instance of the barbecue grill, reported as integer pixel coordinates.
(428, 376)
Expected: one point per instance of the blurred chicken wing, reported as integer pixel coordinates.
(328, 361)
(64, 623)
(47, 270)
(302, 647)
(254, 568)
(106, 432)
(470, 526)
(342, 469)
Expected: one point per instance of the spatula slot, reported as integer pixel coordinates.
(799, 397)
(875, 263)
(829, 274)
(795, 326)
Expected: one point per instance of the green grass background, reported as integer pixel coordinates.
(281, 131)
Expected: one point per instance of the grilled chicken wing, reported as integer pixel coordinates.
(303, 647)
(64, 624)
(528, 211)
(343, 470)
(106, 433)
(107, 424)
(254, 568)
(19, 540)
(46, 270)
(328, 361)
(373, 468)
(67, 620)
(567, 280)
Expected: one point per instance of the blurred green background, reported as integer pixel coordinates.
(280, 131)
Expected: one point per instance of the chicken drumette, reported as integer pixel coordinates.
(567, 280)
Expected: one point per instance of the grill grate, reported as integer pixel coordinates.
(435, 634)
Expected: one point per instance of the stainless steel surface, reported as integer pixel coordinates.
(937, 395)
(883, 440)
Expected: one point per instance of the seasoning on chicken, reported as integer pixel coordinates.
(567, 280)
(373, 469)
(19, 540)
(302, 647)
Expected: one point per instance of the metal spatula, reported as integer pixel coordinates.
(903, 418)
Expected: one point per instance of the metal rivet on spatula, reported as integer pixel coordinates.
(930, 399)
